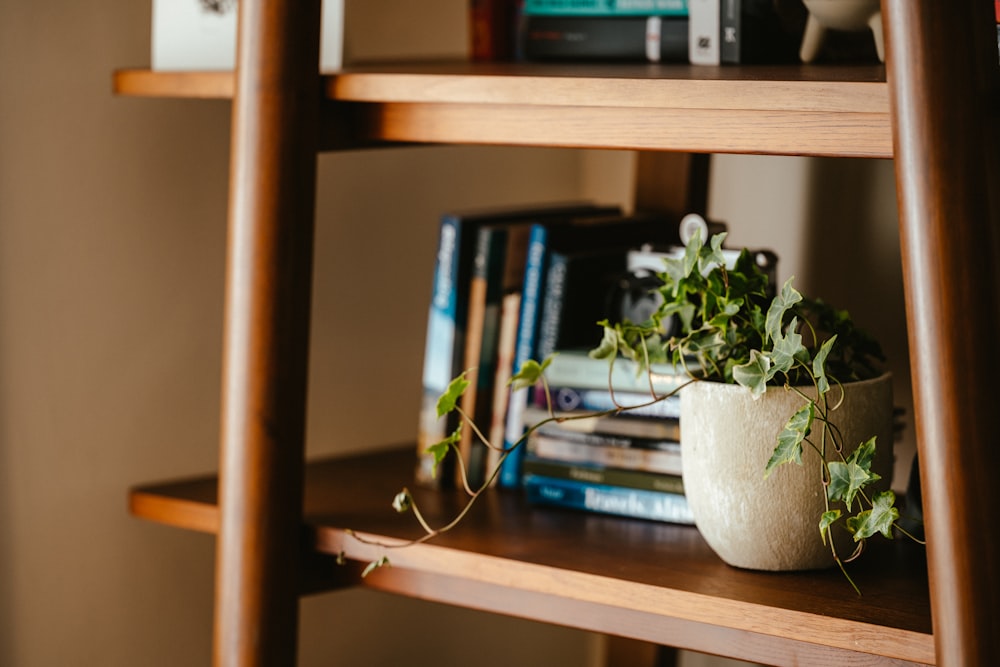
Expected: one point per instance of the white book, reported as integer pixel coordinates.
(703, 32)
(201, 35)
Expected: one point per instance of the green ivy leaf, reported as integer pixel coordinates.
(826, 522)
(449, 399)
(879, 519)
(374, 565)
(789, 449)
(846, 479)
(530, 374)
(712, 256)
(439, 450)
(678, 270)
(608, 348)
(755, 373)
(786, 348)
(788, 297)
(819, 365)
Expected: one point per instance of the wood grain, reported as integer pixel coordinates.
(946, 96)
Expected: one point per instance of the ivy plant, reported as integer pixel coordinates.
(727, 324)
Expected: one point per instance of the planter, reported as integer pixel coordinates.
(726, 441)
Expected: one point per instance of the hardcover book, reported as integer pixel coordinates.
(603, 38)
(605, 8)
(607, 475)
(760, 31)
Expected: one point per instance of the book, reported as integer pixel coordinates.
(447, 321)
(604, 38)
(638, 404)
(605, 499)
(618, 430)
(506, 341)
(610, 231)
(665, 461)
(605, 8)
(703, 32)
(576, 368)
(597, 474)
(759, 32)
(579, 290)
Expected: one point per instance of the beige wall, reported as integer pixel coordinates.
(112, 216)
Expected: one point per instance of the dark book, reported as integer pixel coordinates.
(616, 430)
(601, 38)
(760, 31)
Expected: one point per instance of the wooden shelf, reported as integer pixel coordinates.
(788, 110)
(650, 581)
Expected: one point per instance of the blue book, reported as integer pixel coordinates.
(608, 499)
(605, 8)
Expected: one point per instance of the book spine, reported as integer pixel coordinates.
(507, 340)
(594, 474)
(603, 499)
(531, 295)
(729, 32)
(441, 347)
(605, 8)
(547, 447)
(567, 399)
(552, 304)
(703, 32)
(664, 434)
(626, 38)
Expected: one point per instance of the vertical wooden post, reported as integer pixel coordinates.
(272, 195)
(675, 183)
(943, 78)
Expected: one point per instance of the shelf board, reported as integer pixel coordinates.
(651, 581)
(787, 110)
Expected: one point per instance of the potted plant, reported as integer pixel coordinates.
(775, 379)
(783, 379)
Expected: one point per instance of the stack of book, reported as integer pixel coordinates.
(517, 284)
(604, 30)
(619, 463)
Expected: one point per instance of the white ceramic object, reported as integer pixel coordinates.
(726, 441)
(850, 15)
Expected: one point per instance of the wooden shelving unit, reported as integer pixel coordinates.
(935, 114)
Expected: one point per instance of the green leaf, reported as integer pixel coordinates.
(755, 373)
(449, 399)
(677, 270)
(789, 448)
(846, 479)
(530, 374)
(712, 256)
(788, 297)
(786, 348)
(819, 365)
(826, 521)
(439, 450)
(374, 565)
(608, 348)
(879, 519)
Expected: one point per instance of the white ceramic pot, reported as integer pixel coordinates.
(727, 439)
(840, 15)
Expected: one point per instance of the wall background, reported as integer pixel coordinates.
(112, 216)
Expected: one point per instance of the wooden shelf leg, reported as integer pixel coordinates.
(943, 79)
(269, 271)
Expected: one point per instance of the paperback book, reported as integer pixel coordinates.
(605, 499)
(606, 475)
(605, 8)
(604, 38)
